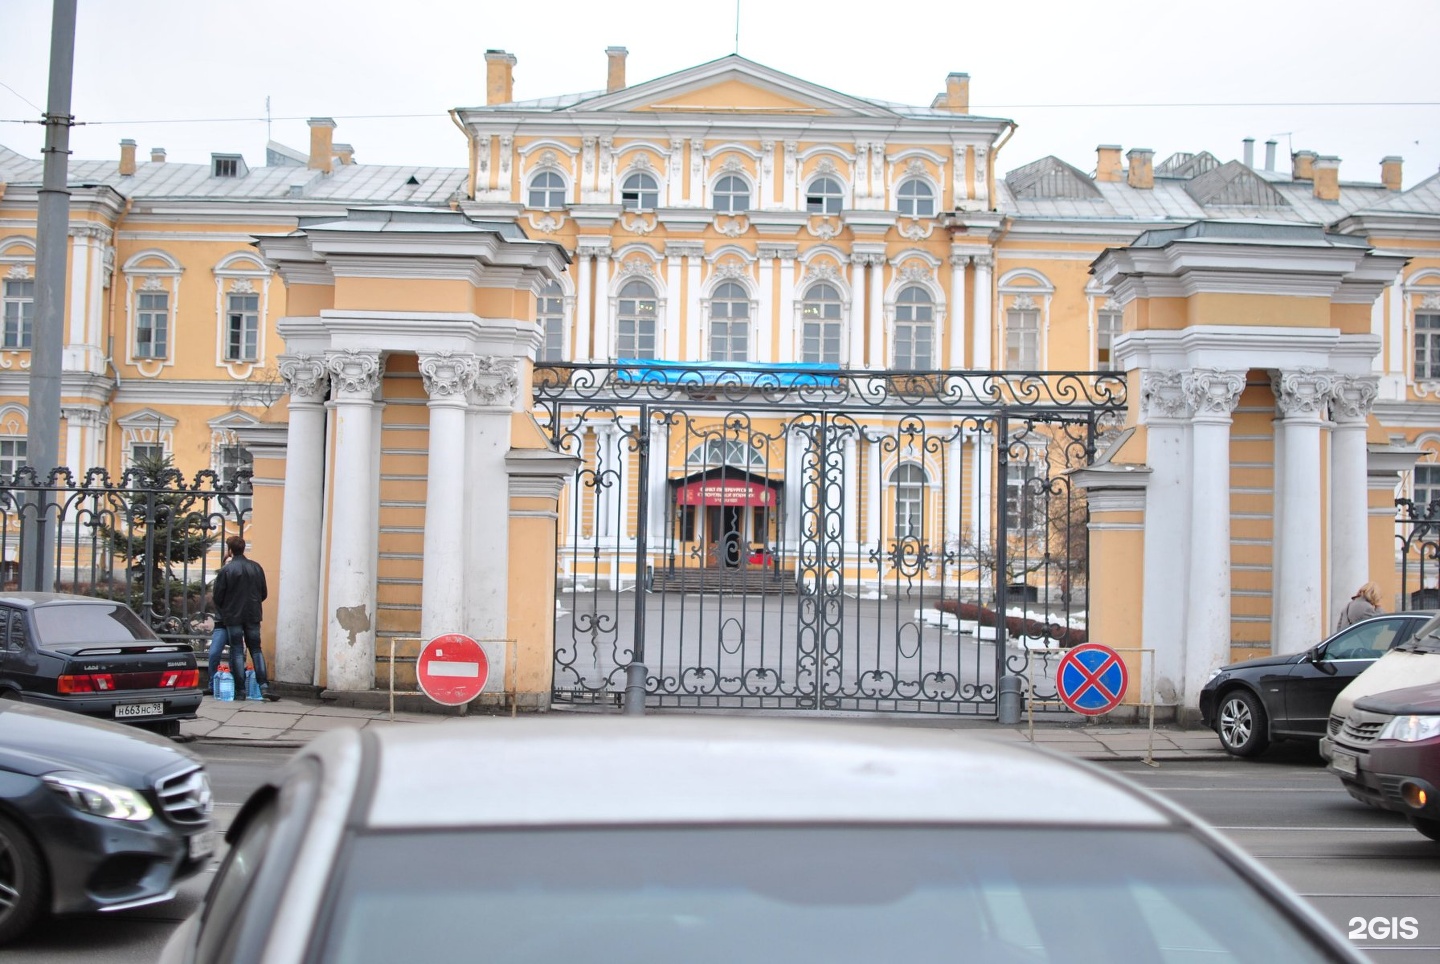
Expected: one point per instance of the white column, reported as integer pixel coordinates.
(1350, 405)
(851, 480)
(602, 349)
(350, 607)
(694, 345)
(764, 333)
(697, 173)
(298, 612)
(789, 336)
(791, 195)
(448, 378)
(876, 286)
(954, 495)
(671, 342)
(981, 353)
(487, 498)
(659, 491)
(958, 263)
(80, 248)
(794, 483)
(582, 306)
(1396, 346)
(856, 314)
(874, 534)
(1165, 413)
(980, 521)
(1212, 394)
(1302, 397)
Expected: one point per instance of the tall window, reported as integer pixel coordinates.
(234, 460)
(1426, 483)
(730, 323)
(915, 199)
(1024, 496)
(914, 329)
(824, 196)
(640, 192)
(635, 323)
(1427, 345)
(145, 452)
(550, 313)
(547, 190)
(909, 481)
(152, 324)
(1107, 329)
(732, 195)
(12, 456)
(19, 313)
(821, 327)
(242, 327)
(1022, 339)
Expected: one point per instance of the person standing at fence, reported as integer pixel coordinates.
(238, 591)
(1364, 604)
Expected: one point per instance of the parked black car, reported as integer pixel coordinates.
(93, 816)
(97, 657)
(1250, 704)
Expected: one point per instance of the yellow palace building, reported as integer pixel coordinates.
(822, 362)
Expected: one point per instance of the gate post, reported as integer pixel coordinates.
(635, 673)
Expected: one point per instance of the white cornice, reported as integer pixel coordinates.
(1244, 347)
(1407, 414)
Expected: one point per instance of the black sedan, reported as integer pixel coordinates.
(94, 656)
(1250, 704)
(93, 816)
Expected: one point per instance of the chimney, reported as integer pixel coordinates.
(1327, 178)
(127, 157)
(157, 155)
(345, 153)
(1390, 172)
(957, 93)
(1249, 143)
(1107, 162)
(499, 77)
(1142, 168)
(615, 75)
(322, 144)
(1302, 165)
(1269, 155)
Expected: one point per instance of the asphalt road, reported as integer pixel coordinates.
(1351, 862)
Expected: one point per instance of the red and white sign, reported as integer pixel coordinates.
(725, 492)
(452, 669)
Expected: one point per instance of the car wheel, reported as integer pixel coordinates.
(1427, 826)
(170, 728)
(1240, 722)
(22, 882)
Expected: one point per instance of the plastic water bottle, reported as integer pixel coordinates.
(223, 685)
(252, 686)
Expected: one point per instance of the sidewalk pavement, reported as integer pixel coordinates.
(292, 723)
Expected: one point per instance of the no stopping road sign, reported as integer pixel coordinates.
(1091, 679)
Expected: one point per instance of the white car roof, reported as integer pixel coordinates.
(633, 770)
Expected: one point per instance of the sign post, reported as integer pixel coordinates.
(452, 669)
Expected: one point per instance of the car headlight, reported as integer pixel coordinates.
(1411, 729)
(99, 798)
(1213, 674)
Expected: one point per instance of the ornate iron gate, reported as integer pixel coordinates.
(781, 537)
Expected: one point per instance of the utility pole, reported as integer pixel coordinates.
(42, 443)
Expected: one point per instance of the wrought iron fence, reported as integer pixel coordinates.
(1417, 534)
(151, 538)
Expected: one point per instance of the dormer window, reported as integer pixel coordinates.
(227, 165)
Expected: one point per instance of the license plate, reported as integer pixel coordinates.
(201, 845)
(1346, 763)
(130, 710)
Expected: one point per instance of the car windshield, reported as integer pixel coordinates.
(829, 894)
(89, 623)
(1426, 638)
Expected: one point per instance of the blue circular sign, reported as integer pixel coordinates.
(1091, 679)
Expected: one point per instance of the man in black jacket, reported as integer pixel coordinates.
(239, 589)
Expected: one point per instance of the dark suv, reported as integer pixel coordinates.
(1387, 754)
(97, 657)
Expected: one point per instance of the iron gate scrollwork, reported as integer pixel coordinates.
(786, 537)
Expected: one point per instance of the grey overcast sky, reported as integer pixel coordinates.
(1058, 68)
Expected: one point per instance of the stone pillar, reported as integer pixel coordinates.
(350, 619)
(602, 349)
(1350, 402)
(1301, 397)
(448, 377)
(980, 486)
(582, 306)
(298, 611)
(669, 341)
(958, 263)
(856, 352)
(1164, 411)
(1212, 395)
(493, 390)
(980, 349)
(697, 172)
(695, 349)
(875, 284)
(764, 327)
(789, 336)
(874, 533)
(659, 492)
(952, 514)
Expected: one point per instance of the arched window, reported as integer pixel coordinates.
(824, 196)
(915, 198)
(909, 481)
(730, 323)
(640, 192)
(821, 327)
(635, 324)
(547, 190)
(716, 452)
(732, 195)
(914, 329)
(550, 314)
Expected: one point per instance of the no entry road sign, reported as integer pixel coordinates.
(452, 669)
(1091, 679)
